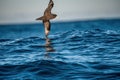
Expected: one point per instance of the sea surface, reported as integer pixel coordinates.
(76, 50)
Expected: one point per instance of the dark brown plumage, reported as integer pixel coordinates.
(47, 16)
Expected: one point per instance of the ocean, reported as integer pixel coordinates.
(75, 50)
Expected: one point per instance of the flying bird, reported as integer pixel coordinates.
(47, 17)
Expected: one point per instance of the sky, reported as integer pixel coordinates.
(26, 11)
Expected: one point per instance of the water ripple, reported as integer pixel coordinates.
(91, 54)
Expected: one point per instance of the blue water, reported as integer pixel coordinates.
(79, 50)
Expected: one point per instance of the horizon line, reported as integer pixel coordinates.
(60, 21)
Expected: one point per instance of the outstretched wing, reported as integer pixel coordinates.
(47, 14)
(49, 8)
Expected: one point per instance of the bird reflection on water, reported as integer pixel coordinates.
(49, 48)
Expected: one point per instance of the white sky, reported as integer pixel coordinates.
(19, 11)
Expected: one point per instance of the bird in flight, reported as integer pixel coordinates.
(47, 17)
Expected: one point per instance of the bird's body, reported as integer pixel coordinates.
(47, 17)
(47, 26)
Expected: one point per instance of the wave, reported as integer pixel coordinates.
(73, 55)
(71, 40)
(46, 69)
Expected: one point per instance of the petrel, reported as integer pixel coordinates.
(47, 17)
